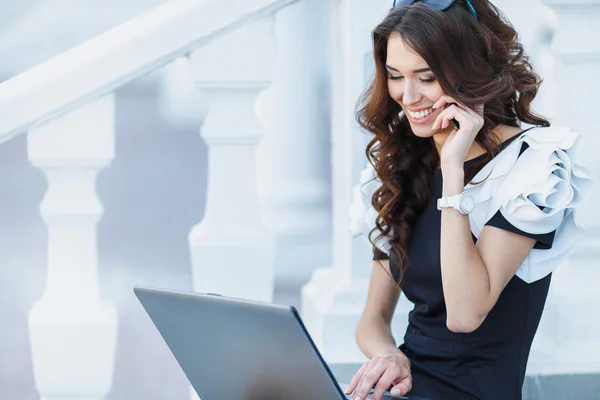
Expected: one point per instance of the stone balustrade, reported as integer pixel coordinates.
(66, 107)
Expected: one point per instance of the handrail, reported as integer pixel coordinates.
(120, 55)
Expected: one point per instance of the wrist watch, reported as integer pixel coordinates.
(464, 203)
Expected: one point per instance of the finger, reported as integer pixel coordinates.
(447, 119)
(391, 374)
(443, 119)
(360, 387)
(438, 120)
(402, 388)
(356, 378)
(404, 385)
(443, 101)
(454, 112)
(446, 100)
(475, 113)
(368, 381)
(360, 383)
(451, 111)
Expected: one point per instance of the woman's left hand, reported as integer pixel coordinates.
(459, 142)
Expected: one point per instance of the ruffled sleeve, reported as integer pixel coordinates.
(362, 213)
(537, 192)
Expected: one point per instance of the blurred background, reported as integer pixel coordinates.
(210, 145)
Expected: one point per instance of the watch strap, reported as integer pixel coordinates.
(450, 202)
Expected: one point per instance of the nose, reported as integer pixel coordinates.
(411, 94)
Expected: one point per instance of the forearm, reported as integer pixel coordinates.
(465, 279)
(374, 337)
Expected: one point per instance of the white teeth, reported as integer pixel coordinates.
(420, 114)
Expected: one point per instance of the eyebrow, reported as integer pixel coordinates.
(416, 71)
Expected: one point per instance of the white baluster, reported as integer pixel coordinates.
(294, 155)
(72, 331)
(232, 250)
(574, 299)
(334, 298)
(180, 103)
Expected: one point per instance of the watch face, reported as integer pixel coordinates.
(467, 203)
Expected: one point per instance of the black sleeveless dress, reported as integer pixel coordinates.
(487, 364)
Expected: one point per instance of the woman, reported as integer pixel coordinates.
(468, 212)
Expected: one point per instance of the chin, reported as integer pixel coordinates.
(422, 131)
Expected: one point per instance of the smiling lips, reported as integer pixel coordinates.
(420, 117)
(421, 114)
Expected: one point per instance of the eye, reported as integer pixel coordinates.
(428, 80)
(395, 78)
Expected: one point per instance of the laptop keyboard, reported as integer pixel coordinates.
(386, 396)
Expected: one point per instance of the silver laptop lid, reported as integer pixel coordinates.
(234, 349)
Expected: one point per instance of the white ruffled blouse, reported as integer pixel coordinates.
(537, 192)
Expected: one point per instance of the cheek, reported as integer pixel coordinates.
(435, 92)
(395, 90)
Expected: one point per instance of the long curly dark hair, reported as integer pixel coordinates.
(476, 61)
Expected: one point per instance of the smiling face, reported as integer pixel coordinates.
(413, 86)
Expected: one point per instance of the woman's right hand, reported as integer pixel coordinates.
(381, 373)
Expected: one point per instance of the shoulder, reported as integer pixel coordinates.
(537, 190)
(550, 153)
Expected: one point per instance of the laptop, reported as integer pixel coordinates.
(234, 349)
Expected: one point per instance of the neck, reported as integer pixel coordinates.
(440, 138)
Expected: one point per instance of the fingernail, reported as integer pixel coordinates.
(396, 392)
